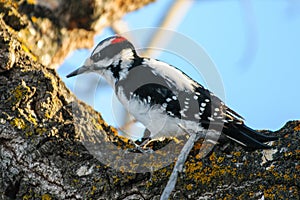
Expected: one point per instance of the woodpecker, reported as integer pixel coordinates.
(163, 98)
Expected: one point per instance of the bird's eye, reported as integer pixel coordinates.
(95, 57)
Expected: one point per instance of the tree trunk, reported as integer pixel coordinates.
(52, 146)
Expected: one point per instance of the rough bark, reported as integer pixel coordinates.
(50, 30)
(43, 126)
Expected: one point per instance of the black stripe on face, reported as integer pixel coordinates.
(115, 69)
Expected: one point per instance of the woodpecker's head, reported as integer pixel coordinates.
(111, 58)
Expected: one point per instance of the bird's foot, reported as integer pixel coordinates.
(141, 148)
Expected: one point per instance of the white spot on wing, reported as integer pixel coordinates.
(211, 119)
(182, 113)
(170, 113)
(154, 119)
(197, 116)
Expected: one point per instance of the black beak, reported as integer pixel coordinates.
(78, 71)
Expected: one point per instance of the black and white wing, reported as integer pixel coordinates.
(163, 86)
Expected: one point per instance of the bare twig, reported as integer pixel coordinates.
(171, 21)
(180, 162)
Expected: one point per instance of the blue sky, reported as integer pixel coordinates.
(254, 44)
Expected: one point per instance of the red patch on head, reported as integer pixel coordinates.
(117, 40)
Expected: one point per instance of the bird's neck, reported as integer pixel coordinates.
(119, 70)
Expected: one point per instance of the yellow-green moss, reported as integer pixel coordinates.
(97, 125)
(297, 128)
(40, 130)
(25, 48)
(29, 133)
(201, 174)
(18, 123)
(220, 159)
(75, 181)
(31, 119)
(93, 189)
(18, 93)
(116, 179)
(71, 153)
(27, 197)
(237, 153)
(189, 186)
(46, 197)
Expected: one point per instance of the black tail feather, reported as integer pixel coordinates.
(247, 137)
(257, 135)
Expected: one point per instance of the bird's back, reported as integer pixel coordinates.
(161, 96)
